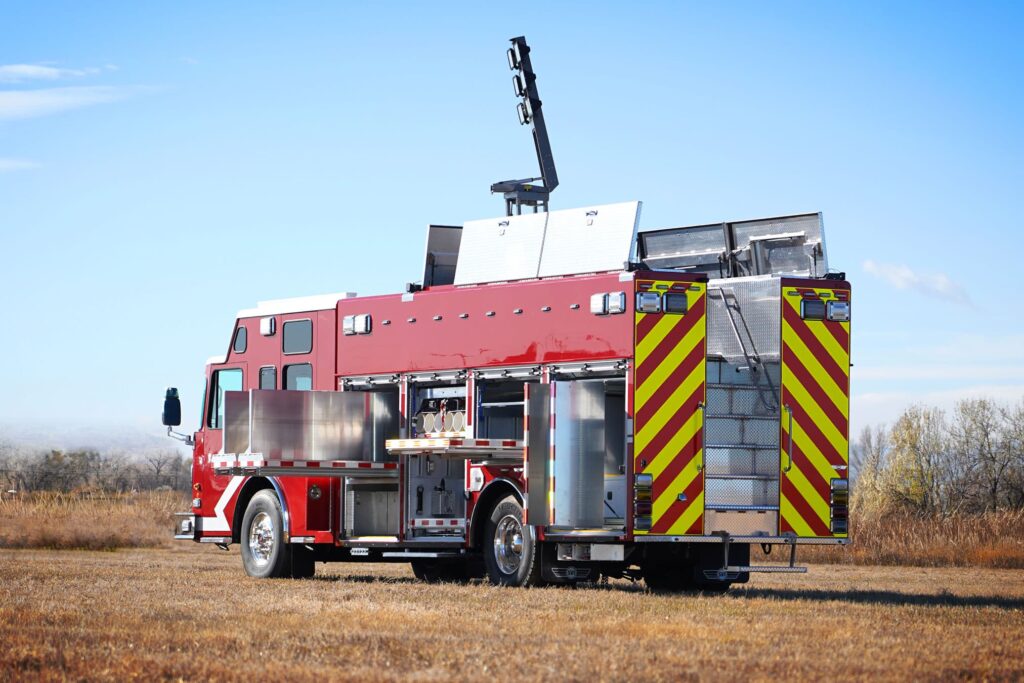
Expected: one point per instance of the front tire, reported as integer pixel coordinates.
(264, 552)
(511, 555)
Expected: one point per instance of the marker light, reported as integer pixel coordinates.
(839, 311)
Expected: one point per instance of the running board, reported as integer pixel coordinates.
(424, 555)
(732, 573)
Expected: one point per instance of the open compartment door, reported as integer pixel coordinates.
(537, 453)
(814, 485)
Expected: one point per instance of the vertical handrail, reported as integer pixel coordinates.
(703, 433)
(789, 449)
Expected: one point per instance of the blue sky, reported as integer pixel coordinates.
(164, 165)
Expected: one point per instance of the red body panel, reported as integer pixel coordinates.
(533, 336)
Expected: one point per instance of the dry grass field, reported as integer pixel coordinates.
(188, 612)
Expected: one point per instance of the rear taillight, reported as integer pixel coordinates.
(642, 501)
(839, 505)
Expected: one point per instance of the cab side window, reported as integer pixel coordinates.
(268, 377)
(298, 377)
(223, 380)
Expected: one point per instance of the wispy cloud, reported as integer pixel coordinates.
(8, 165)
(937, 285)
(26, 104)
(19, 73)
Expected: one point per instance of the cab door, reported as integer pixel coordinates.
(668, 401)
(814, 428)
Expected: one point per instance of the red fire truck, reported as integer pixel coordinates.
(562, 397)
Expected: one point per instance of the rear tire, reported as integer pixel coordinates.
(510, 550)
(264, 552)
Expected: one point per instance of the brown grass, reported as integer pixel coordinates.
(88, 521)
(990, 540)
(189, 613)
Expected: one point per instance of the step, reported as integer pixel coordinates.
(750, 477)
(738, 416)
(742, 446)
(726, 573)
(724, 507)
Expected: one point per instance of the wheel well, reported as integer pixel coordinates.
(249, 489)
(494, 492)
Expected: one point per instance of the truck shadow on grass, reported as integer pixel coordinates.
(880, 597)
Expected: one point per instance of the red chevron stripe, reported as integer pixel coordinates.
(821, 442)
(810, 472)
(671, 427)
(677, 377)
(678, 507)
(840, 334)
(671, 340)
(819, 352)
(646, 324)
(818, 527)
(679, 460)
(824, 401)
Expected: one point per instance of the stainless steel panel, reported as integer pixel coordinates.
(562, 242)
(538, 444)
(744, 318)
(579, 409)
(788, 245)
(371, 509)
(312, 425)
(695, 249)
(742, 523)
(442, 255)
(236, 421)
(739, 460)
(507, 248)
(588, 239)
(741, 491)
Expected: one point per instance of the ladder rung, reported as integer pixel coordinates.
(741, 446)
(737, 416)
(725, 507)
(755, 477)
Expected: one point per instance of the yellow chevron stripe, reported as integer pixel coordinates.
(693, 512)
(818, 460)
(817, 415)
(672, 404)
(793, 518)
(656, 379)
(813, 499)
(657, 464)
(672, 491)
(813, 366)
(817, 328)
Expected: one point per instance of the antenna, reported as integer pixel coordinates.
(520, 193)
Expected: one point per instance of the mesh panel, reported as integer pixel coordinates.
(741, 491)
(741, 523)
(740, 460)
(744, 317)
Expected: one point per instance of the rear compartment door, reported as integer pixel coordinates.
(815, 411)
(668, 399)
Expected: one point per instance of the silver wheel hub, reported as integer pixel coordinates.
(508, 544)
(261, 538)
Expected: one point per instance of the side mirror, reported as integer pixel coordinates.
(172, 408)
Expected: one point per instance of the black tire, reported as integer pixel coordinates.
(272, 558)
(441, 571)
(303, 565)
(508, 567)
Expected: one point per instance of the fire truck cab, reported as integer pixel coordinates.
(563, 397)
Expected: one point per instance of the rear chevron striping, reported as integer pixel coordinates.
(668, 429)
(815, 386)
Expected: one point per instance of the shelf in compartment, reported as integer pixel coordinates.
(503, 404)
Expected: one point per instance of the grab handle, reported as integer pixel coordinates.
(789, 450)
(703, 433)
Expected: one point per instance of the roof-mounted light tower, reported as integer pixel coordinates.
(520, 193)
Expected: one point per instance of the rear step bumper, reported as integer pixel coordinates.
(733, 573)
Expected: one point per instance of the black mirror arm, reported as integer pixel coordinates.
(178, 436)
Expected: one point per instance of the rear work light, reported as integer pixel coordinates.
(839, 311)
(839, 505)
(642, 501)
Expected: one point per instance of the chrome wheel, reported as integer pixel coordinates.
(261, 538)
(508, 544)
